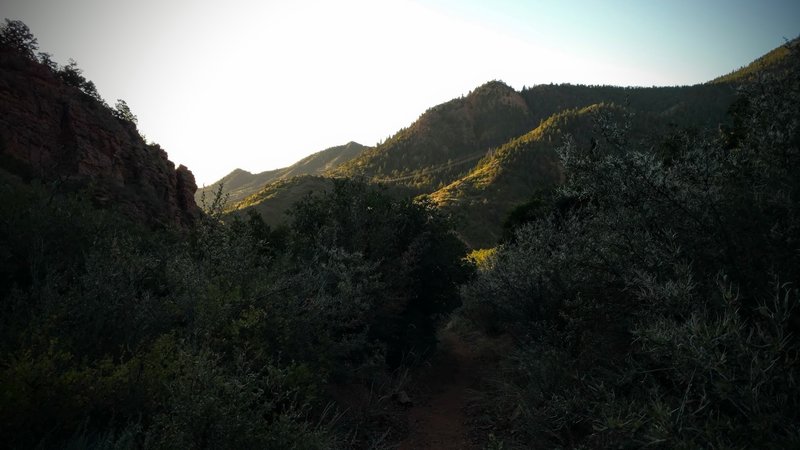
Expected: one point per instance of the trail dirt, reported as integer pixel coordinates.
(438, 419)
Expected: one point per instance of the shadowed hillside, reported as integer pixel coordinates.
(693, 106)
(481, 155)
(652, 298)
(275, 199)
(56, 129)
(510, 174)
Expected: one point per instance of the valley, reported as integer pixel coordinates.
(561, 266)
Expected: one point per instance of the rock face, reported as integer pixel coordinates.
(55, 132)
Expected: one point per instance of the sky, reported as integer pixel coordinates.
(258, 85)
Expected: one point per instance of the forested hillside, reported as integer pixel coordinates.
(776, 61)
(480, 156)
(652, 299)
(446, 140)
(274, 201)
(240, 184)
(641, 289)
(508, 175)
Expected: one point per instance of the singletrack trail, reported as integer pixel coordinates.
(438, 421)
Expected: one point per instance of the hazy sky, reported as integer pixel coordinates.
(260, 84)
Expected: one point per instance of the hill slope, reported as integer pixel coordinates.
(275, 199)
(775, 60)
(446, 140)
(481, 155)
(241, 184)
(510, 174)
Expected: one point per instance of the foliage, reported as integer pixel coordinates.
(414, 257)
(775, 60)
(72, 75)
(656, 303)
(47, 60)
(481, 258)
(444, 143)
(652, 298)
(132, 337)
(275, 199)
(16, 36)
(248, 189)
(123, 112)
(511, 173)
(696, 106)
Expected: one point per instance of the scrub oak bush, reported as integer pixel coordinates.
(660, 308)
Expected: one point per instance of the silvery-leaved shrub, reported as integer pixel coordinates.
(657, 303)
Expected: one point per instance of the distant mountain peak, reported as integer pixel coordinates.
(488, 94)
(240, 184)
(442, 143)
(238, 171)
(494, 84)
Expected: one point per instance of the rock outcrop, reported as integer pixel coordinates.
(56, 133)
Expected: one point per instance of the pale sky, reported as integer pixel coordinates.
(260, 84)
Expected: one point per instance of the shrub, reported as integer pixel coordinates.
(406, 247)
(660, 309)
(16, 36)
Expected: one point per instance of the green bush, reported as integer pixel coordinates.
(660, 307)
(406, 248)
(16, 36)
(114, 335)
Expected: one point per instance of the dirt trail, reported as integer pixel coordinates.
(438, 418)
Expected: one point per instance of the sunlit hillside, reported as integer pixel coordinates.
(240, 184)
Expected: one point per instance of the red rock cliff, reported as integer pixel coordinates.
(54, 132)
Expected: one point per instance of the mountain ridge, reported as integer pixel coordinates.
(508, 175)
(240, 184)
(483, 179)
(775, 59)
(461, 128)
(480, 155)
